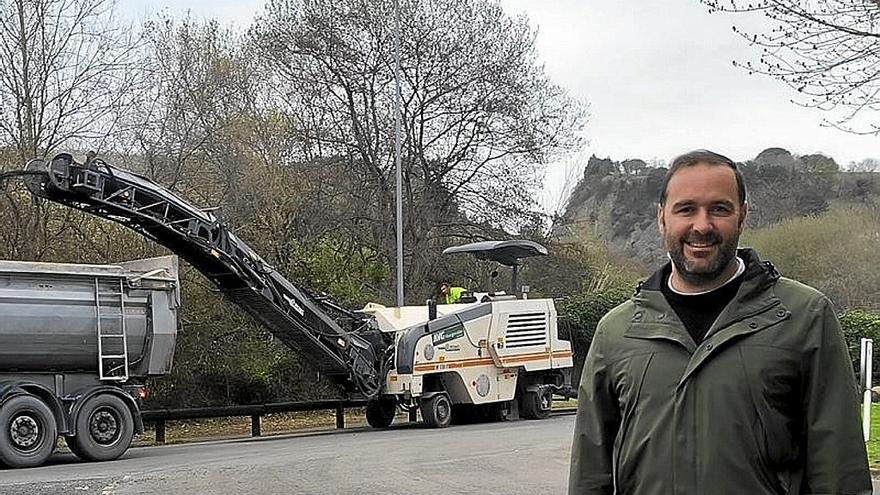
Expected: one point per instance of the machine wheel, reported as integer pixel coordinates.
(104, 429)
(436, 411)
(27, 431)
(380, 413)
(537, 404)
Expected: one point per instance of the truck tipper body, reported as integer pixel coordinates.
(76, 344)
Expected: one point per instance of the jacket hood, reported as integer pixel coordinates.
(758, 276)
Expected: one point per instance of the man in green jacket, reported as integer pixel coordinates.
(718, 376)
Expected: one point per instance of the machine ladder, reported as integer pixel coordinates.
(112, 339)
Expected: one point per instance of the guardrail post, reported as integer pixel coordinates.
(255, 425)
(160, 431)
(340, 416)
(865, 373)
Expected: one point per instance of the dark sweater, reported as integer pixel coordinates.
(699, 312)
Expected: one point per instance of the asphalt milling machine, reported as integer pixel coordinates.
(492, 354)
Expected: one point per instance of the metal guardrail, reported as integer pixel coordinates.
(159, 417)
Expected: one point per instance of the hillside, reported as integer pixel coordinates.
(617, 200)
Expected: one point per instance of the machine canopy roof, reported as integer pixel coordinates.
(505, 252)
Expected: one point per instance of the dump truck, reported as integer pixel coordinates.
(494, 354)
(77, 343)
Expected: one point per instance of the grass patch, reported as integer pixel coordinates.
(565, 404)
(873, 444)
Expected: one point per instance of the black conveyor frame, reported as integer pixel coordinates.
(353, 358)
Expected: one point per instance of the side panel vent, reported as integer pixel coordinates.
(526, 330)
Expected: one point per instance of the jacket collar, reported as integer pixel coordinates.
(654, 318)
(759, 275)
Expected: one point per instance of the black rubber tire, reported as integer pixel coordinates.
(544, 403)
(537, 404)
(74, 448)
(380, 413)
(28, 431)
(104, 429)
(436, 411)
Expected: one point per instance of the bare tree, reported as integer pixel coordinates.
(65, 79)
(866, 165)
(479, 114)
(828, 50)
(65, 71)
(194, 91)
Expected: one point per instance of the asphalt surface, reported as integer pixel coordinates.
(521, 457)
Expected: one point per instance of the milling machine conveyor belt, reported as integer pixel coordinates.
(353, 357)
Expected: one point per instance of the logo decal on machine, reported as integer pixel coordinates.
(447, 334)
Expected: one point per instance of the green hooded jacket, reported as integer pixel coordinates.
(766, 404)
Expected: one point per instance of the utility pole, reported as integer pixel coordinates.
(397, 119)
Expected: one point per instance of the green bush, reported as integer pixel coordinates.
(858, 324)
(835, 253)
(579, 316)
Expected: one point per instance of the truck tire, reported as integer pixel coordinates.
(380, 413)
(27, 431)
(104, 429)
(436, 411)
(537, 404)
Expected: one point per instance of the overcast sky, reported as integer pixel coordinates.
(657, 75)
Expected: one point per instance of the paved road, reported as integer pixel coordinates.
(522, 457)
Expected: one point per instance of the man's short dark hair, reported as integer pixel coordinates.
(708, 157)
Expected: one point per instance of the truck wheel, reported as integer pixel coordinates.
(104, 429)
(537, 404)
(436, 411)
(27, 431)
(380, 413)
